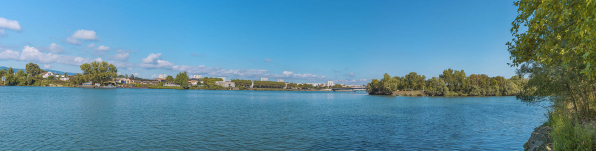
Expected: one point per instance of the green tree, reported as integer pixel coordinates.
(554, 44)
(21, 73)
(169, 79)
(33, 69)
(10, 71)
(182, 79)
(436, 87)
(99, 72)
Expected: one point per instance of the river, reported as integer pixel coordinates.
(47, 118)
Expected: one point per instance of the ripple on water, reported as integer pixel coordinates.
(145, 119)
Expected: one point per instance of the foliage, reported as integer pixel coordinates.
(567, 135)
(436, 87)
(99, 72)
(450, 83)
(182, 79)
(242, 83)
(10, 70)
(269, 84)
(210, 81)
(169, 79)
(33, 69)
(554, 44)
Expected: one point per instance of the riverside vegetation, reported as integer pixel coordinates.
(450, 83)
(555, 45)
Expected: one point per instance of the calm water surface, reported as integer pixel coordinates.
(41, 118)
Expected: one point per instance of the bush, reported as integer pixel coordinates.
(568, 135)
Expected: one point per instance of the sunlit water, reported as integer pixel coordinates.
(41, 118)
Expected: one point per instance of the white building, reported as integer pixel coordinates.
(225, 84)
(163, 76)
(64, 78)
(280, 80)
(47, 74)
(223, 78)
(197, 76)
(329, 84)
(170, 84)
(264, 79)
(314, 84)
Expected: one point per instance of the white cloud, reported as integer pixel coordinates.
(32, 54)
(151, 58)
(267, 60)
(91, 45)
(9, 55)
(122, 65)
(47, 66)
(82, 34)
(9, 24)
(362, 80)
(2, 32)
(121, 55)
(55, 48)
(154, 76)
(102, 48)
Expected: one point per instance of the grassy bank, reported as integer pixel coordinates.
(570, 135)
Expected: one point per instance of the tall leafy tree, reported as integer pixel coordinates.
(10, 70)
(182, 79)
(169, 79)
(99, 72)
(33, 69)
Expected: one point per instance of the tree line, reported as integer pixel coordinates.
(450, 83)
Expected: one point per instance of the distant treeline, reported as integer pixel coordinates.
(450, 83)
(278, 85)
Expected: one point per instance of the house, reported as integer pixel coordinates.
(160, 79)
(225, 84)
(145, 81)
(170, 84)
(64, 78)
(193, 81)
(47, 74)
(123, 80)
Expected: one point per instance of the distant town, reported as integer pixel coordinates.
(38, 77)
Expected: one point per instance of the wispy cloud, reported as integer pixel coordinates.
(121, 56)
(351, 74)
(55, 48)
(267, 60)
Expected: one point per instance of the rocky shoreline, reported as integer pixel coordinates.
(540, 140)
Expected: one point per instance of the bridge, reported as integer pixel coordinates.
(348, 89)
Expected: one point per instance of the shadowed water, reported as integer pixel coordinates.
(41, 118)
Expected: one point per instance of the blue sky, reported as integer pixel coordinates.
(298, 41)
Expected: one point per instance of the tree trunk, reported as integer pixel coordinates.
(574, 104)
